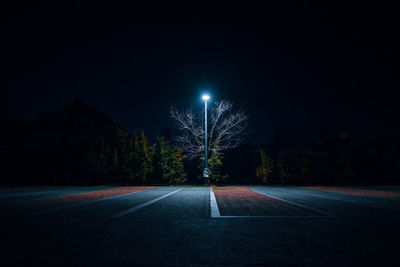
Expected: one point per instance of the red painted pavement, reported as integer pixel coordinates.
(49, 203)
(241, 201)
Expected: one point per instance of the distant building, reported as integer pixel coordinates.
(44, 150)
(73, 125)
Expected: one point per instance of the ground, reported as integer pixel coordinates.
(179, 226)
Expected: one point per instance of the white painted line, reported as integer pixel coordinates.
(81, 204)
(363, 203)
(213, 205)
(216, 214)
(299, 205)
(131, 210)
(272, 216)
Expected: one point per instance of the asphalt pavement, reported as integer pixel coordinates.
(172, 226)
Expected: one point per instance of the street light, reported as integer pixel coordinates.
(205, 171)
(205, 97)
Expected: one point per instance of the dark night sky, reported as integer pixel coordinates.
(311, 66)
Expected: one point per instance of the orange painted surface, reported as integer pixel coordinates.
(94, 195)
(37, 205)
(364, 192)
(241, 201)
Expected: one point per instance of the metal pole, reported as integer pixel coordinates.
(205, 140)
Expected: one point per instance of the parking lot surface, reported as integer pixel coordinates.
(174, 226)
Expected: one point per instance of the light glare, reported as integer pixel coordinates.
(205, 97)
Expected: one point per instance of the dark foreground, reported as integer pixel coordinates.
(173, 226)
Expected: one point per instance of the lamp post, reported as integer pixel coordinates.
(205, 171)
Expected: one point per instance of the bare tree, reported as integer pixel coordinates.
(227, 126)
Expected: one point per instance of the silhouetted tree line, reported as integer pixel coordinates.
(81, 145)
(102, 157)
(112, 156)
(133, 159)
(343, 163)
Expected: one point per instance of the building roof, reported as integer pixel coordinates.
(76, 111)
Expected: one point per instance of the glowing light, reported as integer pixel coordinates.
(205, 97)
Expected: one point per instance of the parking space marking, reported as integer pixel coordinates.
(131, 210)
(267, 216)
(299, 205)
(215, 213)
(81, 204)
(213, 205)
(358, 202)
